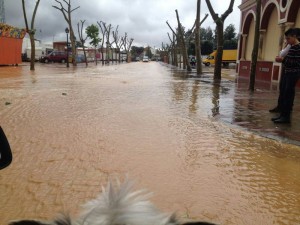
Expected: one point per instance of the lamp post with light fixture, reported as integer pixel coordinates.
(67, 32)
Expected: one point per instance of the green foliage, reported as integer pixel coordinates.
(230, 44)
(202, 33)
(148, 52)
(230, 38)
(209, 39)
(136, 51)
(92, 33)
(207, 47)
(206, 34)
(78, 44)
(192, 49)
(229, 32)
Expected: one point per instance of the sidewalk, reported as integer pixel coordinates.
(250, 111)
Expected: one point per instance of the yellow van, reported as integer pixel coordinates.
(229, 56)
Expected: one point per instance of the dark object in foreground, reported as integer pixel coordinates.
(5, 151)
(283, 119)
(117, 204)
(275, 110)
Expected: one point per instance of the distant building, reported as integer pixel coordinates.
(91, 54)
(277, 16)
(41, 49)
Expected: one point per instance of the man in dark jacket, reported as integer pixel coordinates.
(291, 64)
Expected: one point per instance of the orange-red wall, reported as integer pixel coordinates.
(10, 51)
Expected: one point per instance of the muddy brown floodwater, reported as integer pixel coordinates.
(70, 129)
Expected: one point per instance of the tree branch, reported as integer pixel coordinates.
(228, 11)
(34, 13)
(171, 28)
(211, 10)
(202, 21)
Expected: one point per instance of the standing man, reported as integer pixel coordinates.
(291, 63)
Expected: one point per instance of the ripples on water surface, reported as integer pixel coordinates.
(70, 129)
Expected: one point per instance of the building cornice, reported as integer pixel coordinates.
(247, 4)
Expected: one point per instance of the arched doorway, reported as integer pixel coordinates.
(273, 33)
(250, 40)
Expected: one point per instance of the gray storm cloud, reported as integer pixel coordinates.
(144, 21)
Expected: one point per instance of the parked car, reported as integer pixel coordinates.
(145, 59)
(55, 56)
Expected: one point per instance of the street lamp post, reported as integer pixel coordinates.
(67, 32)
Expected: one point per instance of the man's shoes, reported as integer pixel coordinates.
(275, 110)
(282, 119)
(275, 118)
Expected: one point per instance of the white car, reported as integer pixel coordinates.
(145, 59)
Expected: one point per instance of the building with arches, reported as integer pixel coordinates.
(277, 16)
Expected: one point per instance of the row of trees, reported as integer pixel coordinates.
(180, 40)
(109, 36)
(208, 39)
(185, 43)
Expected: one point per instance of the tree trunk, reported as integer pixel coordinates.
(31, 31)
(197, 41)
(102, 56)
(82, 40)
(182, 43)
(174, 53)
(96, 56)
(32, 56)
(67, 15)
(84, 52)
(219, 55)
(73, 43)
(220, 26)
(255, 47)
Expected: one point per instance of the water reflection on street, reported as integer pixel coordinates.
(71, 129)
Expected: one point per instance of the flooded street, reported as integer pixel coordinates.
(70, 130)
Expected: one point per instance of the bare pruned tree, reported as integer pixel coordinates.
(197, 38)
(118, 42)
(82, 39)
(219, 20)
(31, 31)
(173, 49)
(174, 43)
(127, 45)
(164, 52)
(182, 43)
(101, 24)
(108, 42)
(195, 31)
(181, 39)
(67, 11)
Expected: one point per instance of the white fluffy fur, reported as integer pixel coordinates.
(119, 205)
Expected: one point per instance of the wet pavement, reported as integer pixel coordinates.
(208, 152)
(250, 110)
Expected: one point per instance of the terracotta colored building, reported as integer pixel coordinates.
(11, 39)
(277, 16)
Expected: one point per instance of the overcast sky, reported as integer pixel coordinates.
(143, 20)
